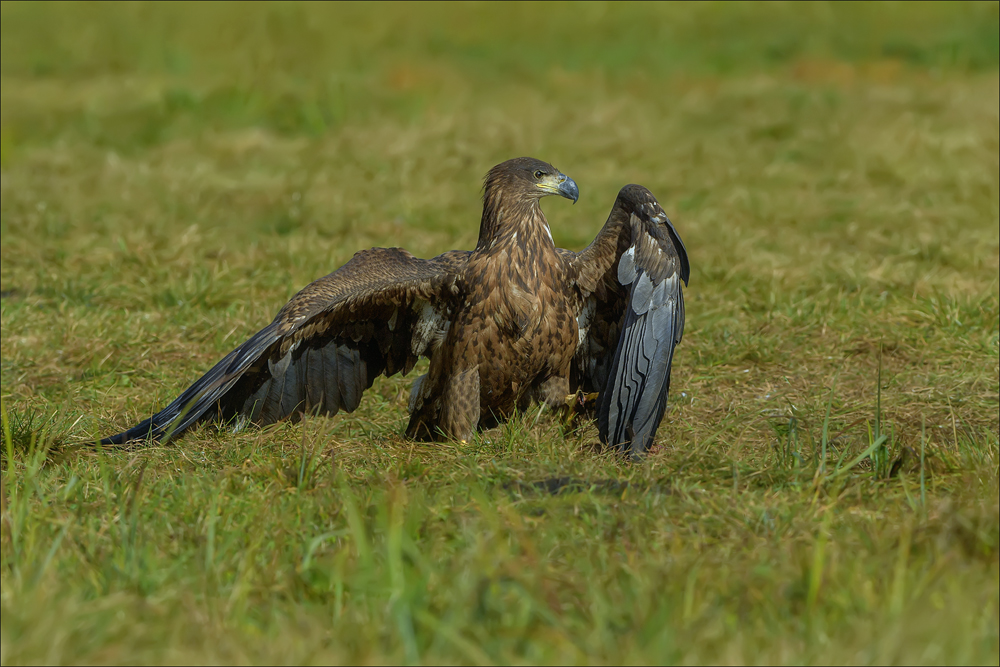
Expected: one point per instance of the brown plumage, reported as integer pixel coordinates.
(513, 321)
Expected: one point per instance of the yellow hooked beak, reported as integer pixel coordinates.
(559, 184)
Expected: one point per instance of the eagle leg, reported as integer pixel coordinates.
(460, 405)
(554, 393)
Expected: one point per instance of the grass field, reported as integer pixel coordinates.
(825, 488)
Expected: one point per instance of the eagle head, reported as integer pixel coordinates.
(528, 178)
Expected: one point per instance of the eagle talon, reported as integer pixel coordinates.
(577, 407)
(581, 401)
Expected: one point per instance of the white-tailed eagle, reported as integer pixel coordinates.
(513, 321)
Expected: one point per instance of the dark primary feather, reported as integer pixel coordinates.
(634, 396)
(197, 399)
(632, 316)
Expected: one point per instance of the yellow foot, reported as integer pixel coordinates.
(577, 406)
(581, 400)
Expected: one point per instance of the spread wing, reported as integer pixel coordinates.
(630, 316)
(376, 314)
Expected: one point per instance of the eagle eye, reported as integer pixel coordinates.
(539, 173)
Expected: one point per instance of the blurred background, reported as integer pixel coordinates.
(754, 93)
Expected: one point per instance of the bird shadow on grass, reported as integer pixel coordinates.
(555, 486)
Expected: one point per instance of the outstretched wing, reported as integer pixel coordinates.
(630, 316)
(376, 314)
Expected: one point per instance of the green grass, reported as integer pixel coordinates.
(825, 487)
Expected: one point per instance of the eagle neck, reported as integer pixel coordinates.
(512, 222)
